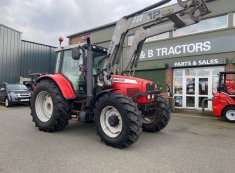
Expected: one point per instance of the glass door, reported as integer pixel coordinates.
(202, 91)
(190, 92)
(192, 85)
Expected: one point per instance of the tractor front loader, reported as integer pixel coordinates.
(87, 85)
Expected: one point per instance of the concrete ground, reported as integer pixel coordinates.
(188, 144)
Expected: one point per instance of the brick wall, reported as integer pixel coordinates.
(230, 67)
(169, 76)
(169, 81)
(78, 39)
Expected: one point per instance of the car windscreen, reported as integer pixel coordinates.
(16, 87)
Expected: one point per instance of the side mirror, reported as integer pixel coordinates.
(76, 53)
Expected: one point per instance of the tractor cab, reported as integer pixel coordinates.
(227, 83)
(72, 64)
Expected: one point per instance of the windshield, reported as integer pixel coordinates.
(16, 87)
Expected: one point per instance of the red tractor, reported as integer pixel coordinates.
(224, 99)
(86, 83)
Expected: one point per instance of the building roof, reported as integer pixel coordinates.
(108, 25)
(92, 29)
(38, 43)
(10, 28)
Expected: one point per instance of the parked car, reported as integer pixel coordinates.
(14, 93)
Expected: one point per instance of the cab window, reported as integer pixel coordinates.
(71, 68)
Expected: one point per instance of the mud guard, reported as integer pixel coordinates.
(63, 84)
(101, 94)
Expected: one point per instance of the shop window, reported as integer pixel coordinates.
(178, 85)
(178, 72)
(190, 72)
(200, 102)
(203, 26)
(178, 101)
(190, 86)
(190, 101)
(215, 81)
(158, 37)
(203, 86)
(203, 72)
(150, 39)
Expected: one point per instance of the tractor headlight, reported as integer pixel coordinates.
(148, 96)
(153, 96)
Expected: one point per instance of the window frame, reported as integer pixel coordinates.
(204, 31)
(130, 38)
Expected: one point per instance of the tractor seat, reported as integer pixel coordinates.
(230, 86)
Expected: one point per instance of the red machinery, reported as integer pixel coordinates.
(119, 105)
(224, 99)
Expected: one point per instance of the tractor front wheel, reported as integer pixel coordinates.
(49, 109)
(158, 118)
(229, 114)
(117, 120)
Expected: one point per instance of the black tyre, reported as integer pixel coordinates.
(158, 118)
(229, 114)
(7, 102)
(117, 120)
(49, 109)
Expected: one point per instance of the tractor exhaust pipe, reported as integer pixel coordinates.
(89, 74)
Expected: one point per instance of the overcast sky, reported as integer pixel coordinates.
(43, 21)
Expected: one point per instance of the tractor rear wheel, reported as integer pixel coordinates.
(117, 120)
(157, 119)
(49, 109)
(229, 114)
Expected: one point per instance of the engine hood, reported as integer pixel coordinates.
(129, 80)
(133, 86)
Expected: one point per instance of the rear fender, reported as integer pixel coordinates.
(63, 84)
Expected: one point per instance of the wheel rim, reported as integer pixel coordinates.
(230, 114)
(6, 103)
(106, 114)
(44, 106)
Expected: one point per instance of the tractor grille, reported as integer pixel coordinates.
(131, 92)
(150, 87)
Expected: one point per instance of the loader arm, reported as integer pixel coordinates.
(150, 22)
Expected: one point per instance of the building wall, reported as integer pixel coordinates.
(78, 39)
(10, 41)
(103, 35)
(18, 57)
(36, 58)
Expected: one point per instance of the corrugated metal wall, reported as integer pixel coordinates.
(10, 41)
(36, 58)
(18, 58)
